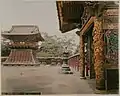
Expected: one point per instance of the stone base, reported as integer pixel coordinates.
(82, 77)
(100, 91)
(87, 77)
(100, 87)
(114, 91)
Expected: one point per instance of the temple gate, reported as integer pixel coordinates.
(23, 43)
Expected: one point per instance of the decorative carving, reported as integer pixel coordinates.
(112, 46)
(98, 44)
(85, 16)
(111, 12)
(111, 19)
(82, 57)
(110, 26)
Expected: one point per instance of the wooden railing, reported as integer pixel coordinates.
(73, 61)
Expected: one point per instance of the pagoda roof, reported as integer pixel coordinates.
(22, 31)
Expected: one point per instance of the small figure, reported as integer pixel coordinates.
(21, 73)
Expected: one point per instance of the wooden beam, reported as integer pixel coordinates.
(86, 26)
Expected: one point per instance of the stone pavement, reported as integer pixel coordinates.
(45, 79)
(91, 82)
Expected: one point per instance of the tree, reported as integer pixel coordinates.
(68, 42)
(50, 47)
(5, 50)
(77, 50)
(55, 46)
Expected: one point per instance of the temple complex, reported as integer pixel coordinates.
(23, 43)
(97, 22)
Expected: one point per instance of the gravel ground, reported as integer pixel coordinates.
(45, 79)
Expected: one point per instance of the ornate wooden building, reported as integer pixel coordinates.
(98, 25)
(23, 43)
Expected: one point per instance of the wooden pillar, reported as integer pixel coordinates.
(99, 57)
(87, 70)
(90, 56)
(86, 61)
(82, 57)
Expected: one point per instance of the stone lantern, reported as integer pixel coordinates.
(65, 56)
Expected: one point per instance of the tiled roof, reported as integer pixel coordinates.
(24, 29)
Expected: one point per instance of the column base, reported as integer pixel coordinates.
(100, 87)
(87, 77)
(82, 77)
(100, 91)
(112, 91)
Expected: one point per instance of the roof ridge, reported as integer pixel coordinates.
(24, 25)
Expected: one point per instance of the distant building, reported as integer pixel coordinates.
(23, 43)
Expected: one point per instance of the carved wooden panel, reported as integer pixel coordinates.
(85, 16)
(111, 19)
(110, 26)
(112, 46)
(112, 12)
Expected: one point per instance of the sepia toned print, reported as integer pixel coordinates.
(59, 47)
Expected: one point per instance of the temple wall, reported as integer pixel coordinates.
(110, 28)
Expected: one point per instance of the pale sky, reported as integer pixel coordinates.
(42, 13)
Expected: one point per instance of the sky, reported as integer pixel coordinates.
(42, 13)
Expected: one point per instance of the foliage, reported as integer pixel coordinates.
(55, 46)
(77, 49)
(5, 50)
(50, 47)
